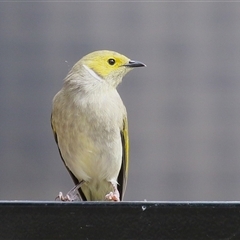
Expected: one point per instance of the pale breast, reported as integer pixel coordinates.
(88, 133)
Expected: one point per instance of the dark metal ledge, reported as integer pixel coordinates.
(124, 220)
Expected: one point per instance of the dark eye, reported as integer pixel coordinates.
(111, 61)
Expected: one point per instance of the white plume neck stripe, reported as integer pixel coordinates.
(92, 73)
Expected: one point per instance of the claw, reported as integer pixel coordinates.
(63, 198)
(113, 196)
(72, 195)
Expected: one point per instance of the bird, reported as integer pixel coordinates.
(90, 127)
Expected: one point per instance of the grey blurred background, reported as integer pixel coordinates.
(183, 109)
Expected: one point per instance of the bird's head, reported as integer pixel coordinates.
(106, 66)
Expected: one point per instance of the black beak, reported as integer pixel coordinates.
(133, 64)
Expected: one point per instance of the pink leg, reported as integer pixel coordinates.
(72, 195)
(113, 196)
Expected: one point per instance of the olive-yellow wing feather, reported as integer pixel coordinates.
(123, 174)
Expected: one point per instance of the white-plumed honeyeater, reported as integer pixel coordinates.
(89, 122)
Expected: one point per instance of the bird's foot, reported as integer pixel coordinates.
(113, 196)
(72, 195)
(66, 198)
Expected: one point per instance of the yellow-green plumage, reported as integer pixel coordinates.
(89, 121)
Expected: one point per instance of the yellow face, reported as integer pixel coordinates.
(105, 63)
